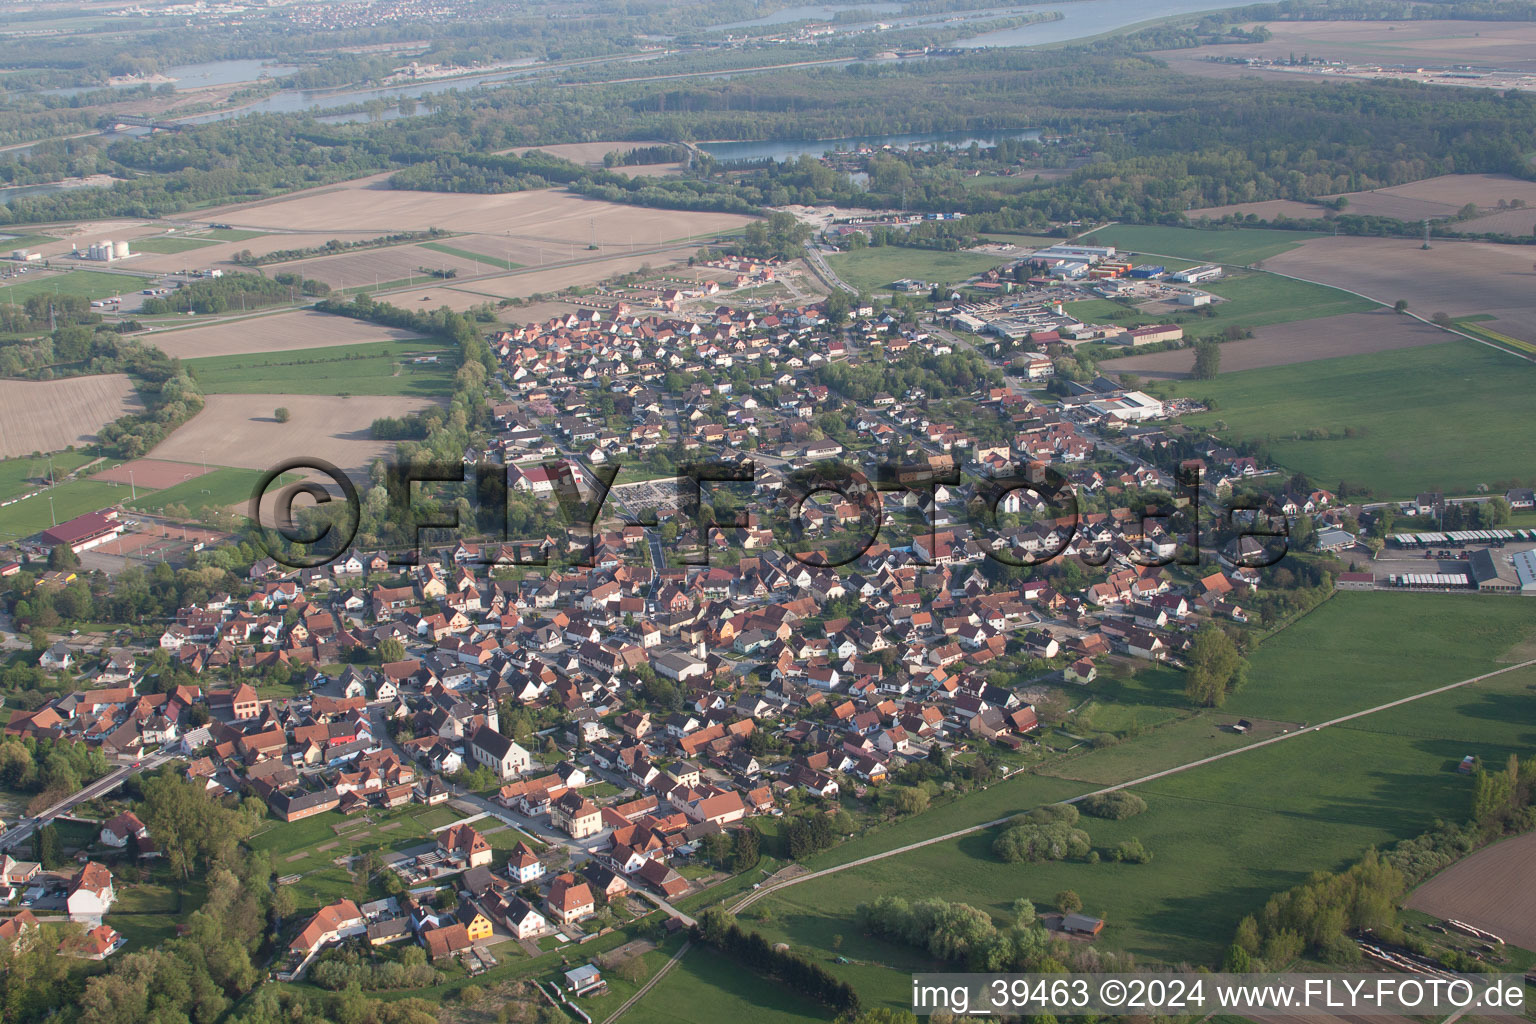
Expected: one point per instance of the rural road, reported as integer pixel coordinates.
(757, 894)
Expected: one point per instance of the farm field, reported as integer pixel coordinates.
(20, 475)
(1507, 44)
(1348, 334)
(1481, 398)
(1235, 245)
(377, 368)
(75, 498)
(1508, 222)
(239, 430)
(171, 245)
(483, 261)
(1267, 209)
(1441, 196)
(46, 416)
(1458, 278)
(1494, 889)
(221, 251)
(370, 205)
(382, 264)
(88, 284)
(1321, 797)
(530, 281)
(874, 268)
(277, 332)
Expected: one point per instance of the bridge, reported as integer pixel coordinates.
(140, 121)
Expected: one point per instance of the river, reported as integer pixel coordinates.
(1083, 18)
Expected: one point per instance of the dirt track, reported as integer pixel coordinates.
(1494, 889)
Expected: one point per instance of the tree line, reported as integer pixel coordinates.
(719, 929)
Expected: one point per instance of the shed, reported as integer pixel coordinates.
(1081, 924)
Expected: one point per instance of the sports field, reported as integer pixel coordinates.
(873, 269)
(1228, 835)
(216, 490)
(18, 476)
(88, 284)
(1236, 245)
(377, 368)
(1440, 417)
(71, 499)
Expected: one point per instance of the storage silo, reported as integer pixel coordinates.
(120, 250)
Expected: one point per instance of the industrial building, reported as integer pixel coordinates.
(1493, 572)
(1195, 275)
(1130, 407)
(105, 251)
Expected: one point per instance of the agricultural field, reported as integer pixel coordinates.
(1443, 196)
(20, 475)
(75, 498)
(1234, 245)
(88, 284)
(1501, 43)
(530, 281)
(1491, 890)
(874, 268)
(170, 245)
(377, 368)
(1322, 797)
(383, 264)
(482, 261)
(369, 205)
(46, 416)
(1368, 412)
(1457, 278)
(240, 430)
(231, 234)
(1267, 209)
(1298, 342)
(275, 332)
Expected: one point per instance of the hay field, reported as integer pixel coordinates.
(371, 206)
(280, 332)
(1266, 210)
(1351, 334)
(1494, 889)
(1441, 196)
(1459, 278)
(45, 416)
(240, 430)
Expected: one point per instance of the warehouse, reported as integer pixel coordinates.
(1130, 407)
(1154, 333)
(1195, 275)
(1493, 572)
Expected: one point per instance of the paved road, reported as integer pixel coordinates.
(818, 264)
(757, 894)
(106, 784)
